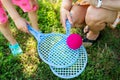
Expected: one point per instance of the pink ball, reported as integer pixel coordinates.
(74, 41)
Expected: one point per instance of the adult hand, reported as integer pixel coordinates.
(64, 15)
(21, 24)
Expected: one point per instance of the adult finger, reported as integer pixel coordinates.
(69, 18)
(63, 19)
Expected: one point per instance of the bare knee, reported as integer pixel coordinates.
(96, 18)
(93, 17)
(78, 14)
(94, 23)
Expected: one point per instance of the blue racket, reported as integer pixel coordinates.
(74, 70)
(49, 50)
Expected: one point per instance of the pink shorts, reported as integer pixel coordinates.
(23, 4)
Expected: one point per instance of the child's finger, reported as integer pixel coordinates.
(26, 29)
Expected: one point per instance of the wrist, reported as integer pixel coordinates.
(99, 3)
(96, 3)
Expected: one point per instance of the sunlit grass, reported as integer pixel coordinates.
(103, 56)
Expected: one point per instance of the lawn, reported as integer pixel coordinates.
(103, 56)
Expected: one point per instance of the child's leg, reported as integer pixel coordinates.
(5, 30)
(31, 7)
(33, 14)
(14, 46)
(4, 25)
(33, 19)
(7, 33)
(96, 19)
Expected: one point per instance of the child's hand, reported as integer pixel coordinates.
(21, 24)
(65, 14)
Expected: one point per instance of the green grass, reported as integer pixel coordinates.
(103, 56)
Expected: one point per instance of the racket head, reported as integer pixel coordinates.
(49, 49)
(74, 70)
(61, 56)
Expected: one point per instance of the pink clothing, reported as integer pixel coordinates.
(3, 16)
(23, 4)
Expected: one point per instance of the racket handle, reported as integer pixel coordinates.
(68, 27)
(34, 32)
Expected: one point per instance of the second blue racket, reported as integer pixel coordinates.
(74, 70)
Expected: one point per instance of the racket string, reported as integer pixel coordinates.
(74, 69)
(66, 55)
(55, 52)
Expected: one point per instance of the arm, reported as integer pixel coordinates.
(65, 12)
(107, 4)
(111, 4)
(20, 22)
(10, 8)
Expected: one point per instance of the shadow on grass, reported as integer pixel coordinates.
(10, 67)
(103, 61)
(104, 57)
